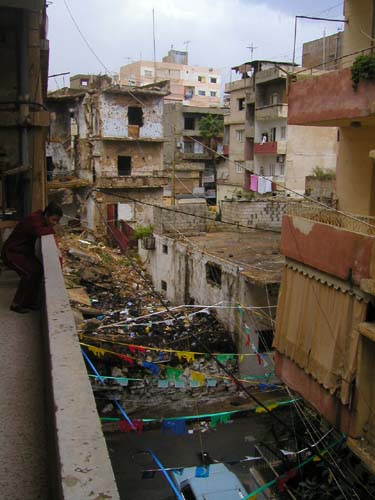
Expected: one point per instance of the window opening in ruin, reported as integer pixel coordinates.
(84, 83)
(135, 116)
(163, 285)
(213, 274)
(213, 80)
(213, 94)
(240, 135)
(202, 79)
(274, 99)
(49, 167)
(165, 249)
(265, 340)
(189, 123)
(273, 134)
(241, 104)
(124, 165)
(201, 92)
(283, 132)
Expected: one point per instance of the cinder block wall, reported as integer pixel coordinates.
(262, 213)
(178, 219)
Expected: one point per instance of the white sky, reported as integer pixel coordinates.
(218, 30)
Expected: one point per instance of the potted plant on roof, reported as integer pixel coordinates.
(145, 234)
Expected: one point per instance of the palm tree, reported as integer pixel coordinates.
(211, 127)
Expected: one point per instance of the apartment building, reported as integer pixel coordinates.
(108, 138)
(258, 139)
(192, 166)
(191, 85)
(325, 327)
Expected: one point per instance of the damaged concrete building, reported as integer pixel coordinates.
(196, 260)
(192, 165)
(106, 138)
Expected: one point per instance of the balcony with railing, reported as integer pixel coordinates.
(330, 100)
(342, 245)
(272, 112)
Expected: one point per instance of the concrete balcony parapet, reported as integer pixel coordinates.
(272, 112)
(238, 85)
(329, 242)
(80, 463)
(330, 100)
(133, 182)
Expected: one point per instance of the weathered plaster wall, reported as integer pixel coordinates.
(355, 171)
(183, 269)
(61, 158)
(114, 115)
(145, 157)
(358, 13)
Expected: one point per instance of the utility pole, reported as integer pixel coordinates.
(252, 48)
(173, 197)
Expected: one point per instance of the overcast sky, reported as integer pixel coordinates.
(218, 31)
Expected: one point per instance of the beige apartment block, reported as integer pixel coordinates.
(190, 85)
(257, 137)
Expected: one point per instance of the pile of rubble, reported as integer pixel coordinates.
(130, 335)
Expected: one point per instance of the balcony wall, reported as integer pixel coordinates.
(272, 112)
(330, 100)
(80, 464)
(133, 182)
(237, 85)
(268, 148)
(341, 252)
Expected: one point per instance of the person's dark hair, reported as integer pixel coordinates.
(53, 209)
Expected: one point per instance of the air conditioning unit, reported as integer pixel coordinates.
(280, 159)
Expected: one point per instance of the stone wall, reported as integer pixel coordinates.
(258, 213)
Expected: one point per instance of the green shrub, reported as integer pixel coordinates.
(323, 175)
(141, 232)
(363, 68)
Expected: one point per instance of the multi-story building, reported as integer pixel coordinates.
(258, 139)
(109, 138)
(192, 167)
(325, 322)
(190, 85)
(324, 53)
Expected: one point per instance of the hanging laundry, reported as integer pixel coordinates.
(247, 340)
(223, 358)
(241, 357)
(124, 426)
(126, 358)
(198, 377)
(259, 359)
(188, 356)
(173, 373)
(254, 183)
(136, 348)
(163, 384)
(247, 329)
(262, 185)
(177, 427)
(154, 369)
(268, 186)
(219, 419)
(203, 471)
(96, 351)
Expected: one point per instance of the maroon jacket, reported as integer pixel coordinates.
(28, 230)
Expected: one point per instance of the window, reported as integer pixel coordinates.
(189, 92)
(283, 132)
(239, 166)
(241, 103)
(201, 92)
(272, 169)
(240, 135)
(165, 249)
(202, 79)
(50, 168)
(124, 165)
(261, 170)
(189, 123)
(213, 94)
(148, 73)
(163, 285)
(188, 147)
(274, 99)
(213, 274)
(213, 80)
(282, 169)
(265, 340)
(84, 83)
(135, 115)
(273, 134)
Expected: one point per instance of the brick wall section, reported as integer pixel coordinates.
(178, 220)
(259, 213)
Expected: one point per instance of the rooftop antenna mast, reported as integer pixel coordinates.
(186, 43)
(252, 48)
(153, 36)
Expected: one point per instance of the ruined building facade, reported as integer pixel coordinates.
(106, 144)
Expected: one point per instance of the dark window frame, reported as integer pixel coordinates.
(124, 166)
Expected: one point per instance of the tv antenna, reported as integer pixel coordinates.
(186, 43)
(252, 48)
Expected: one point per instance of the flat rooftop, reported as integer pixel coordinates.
(257, 252)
